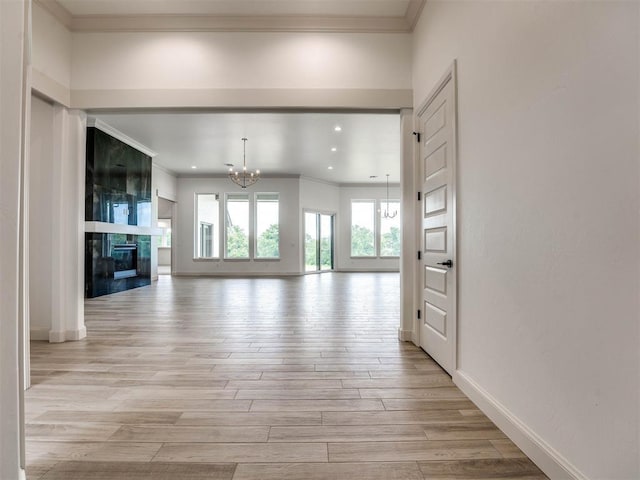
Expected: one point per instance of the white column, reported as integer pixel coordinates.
(67, 240)
(408, 329)
(13, 14)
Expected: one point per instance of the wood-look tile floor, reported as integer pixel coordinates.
(265, 378)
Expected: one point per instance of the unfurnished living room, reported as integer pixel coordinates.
(319, 239)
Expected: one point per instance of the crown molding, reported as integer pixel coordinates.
(238, 23)
(108, 129)
(414, 10)
(58, 11)
(235, 23)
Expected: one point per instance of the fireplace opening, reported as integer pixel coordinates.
(125, 257)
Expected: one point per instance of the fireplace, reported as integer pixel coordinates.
(125, 260)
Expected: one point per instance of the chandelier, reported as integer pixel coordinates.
(387, 213)
(244, 178)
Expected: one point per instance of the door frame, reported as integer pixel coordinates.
(450, 75)
(332, 214)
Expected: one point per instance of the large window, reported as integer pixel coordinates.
(237, 226)
(374, 235)
(267, 226)
(207, 226)
(363, 220)
(390, 229)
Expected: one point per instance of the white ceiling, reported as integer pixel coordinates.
(374, 8)
(278, 143)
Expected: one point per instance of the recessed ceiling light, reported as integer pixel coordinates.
(337, 128)
(330, 168)
(194, 167)
(334, 149)
(373, 176)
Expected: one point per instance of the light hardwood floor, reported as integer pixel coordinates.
(266, 378)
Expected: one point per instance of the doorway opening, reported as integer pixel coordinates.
(319, 242)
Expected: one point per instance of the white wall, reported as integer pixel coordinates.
(290, 236)
(319, 196)
(548, 216)
(164, 183)
(41, 218)
(204, 60)
(199, 69)
(344, 260)
(51, 58)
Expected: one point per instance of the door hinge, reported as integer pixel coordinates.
(419, 196)
(419, 255)
(417, 135)
(419, 314)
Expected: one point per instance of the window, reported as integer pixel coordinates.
(363, 221)
(390, 229)
(207, 226)
(267, 225)
(374, 235)
(237, 226)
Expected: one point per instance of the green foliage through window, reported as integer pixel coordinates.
(237, 242)
(269, 242)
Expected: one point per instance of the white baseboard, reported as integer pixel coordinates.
(550, 461)
(38, 333)
(405, 335)
(67, 335)
(75, 335)
(238, 274)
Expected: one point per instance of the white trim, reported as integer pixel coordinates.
(59, 336)
(236, 23)
(221, 98)
(368, 270)
(39, 333)
(414, 10)
(405, 335)
(104, 227)
(57, 10)
(108, 129)
(22, 475)
(237, 274)
(165, 170)
(549, 460)
(49, 88)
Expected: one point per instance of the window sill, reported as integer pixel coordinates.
(203, 259)
(273, 259)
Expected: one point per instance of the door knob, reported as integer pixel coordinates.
(448, 263)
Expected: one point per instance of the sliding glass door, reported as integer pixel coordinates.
(318, 241)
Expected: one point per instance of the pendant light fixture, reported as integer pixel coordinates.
(387, 213)
(244, 178)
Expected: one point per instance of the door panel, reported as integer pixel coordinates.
(436, 122)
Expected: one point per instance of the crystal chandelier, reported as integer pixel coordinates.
(387, 213)
(244, 178)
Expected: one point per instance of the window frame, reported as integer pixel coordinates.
(375, 228)
(250, 221)
(255, 226)
(380, 210)
(196, 229)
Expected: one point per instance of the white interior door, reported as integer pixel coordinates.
(437, 127)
